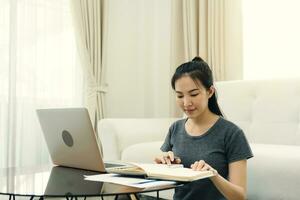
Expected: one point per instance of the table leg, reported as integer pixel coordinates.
(157, 195)
(71, 197)
(133, 197)
(129, 196)
(12, 197)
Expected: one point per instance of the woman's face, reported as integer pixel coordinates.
(192, 98)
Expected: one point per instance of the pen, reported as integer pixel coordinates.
(175, 158)
(145, 181)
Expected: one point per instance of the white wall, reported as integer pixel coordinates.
(271, 39)
(138, 58)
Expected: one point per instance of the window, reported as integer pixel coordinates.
(38, 69)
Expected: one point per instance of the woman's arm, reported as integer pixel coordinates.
(235, 188)
(236, 185)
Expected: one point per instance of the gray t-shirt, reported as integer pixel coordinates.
(222, 144)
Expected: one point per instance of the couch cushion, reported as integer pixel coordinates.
(145, 153)
(142, 152)
(267, 110)
(274, 172)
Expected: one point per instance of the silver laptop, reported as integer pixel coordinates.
(71, 139)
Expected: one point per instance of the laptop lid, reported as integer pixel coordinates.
(70, 138)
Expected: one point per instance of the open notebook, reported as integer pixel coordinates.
(162, 171)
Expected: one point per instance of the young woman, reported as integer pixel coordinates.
(205, 140)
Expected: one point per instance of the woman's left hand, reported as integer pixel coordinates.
(201, 165)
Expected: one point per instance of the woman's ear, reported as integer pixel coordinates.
(211, 91)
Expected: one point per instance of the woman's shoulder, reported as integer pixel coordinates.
(229, 125)
(178, 124)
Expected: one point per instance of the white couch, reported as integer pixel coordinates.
(267, 110)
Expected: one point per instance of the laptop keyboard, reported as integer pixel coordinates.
(109, 165)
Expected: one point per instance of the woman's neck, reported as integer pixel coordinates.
(207, 117)
(200, 125)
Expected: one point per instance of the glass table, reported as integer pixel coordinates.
(54, 181)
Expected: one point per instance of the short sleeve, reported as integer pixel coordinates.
(237, 147)
(167, 146)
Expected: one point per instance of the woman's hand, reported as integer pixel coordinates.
(167, 158)
(201, 165)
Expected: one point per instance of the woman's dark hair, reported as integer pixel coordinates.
(198, 70)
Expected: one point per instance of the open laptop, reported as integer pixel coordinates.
(71, 139)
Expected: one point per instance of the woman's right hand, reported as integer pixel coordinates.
(167, 158)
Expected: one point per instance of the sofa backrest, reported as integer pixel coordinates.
(267, 110)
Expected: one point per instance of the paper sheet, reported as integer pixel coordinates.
(128, 181)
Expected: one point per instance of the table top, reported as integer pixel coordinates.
(56, 181)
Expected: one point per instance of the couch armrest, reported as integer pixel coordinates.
(118, 134)
(108, 137)
(143, 152)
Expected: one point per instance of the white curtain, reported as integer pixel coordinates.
(208, 28)
(89, 20)
(211, 29)
(38, 69)
(138, 58)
